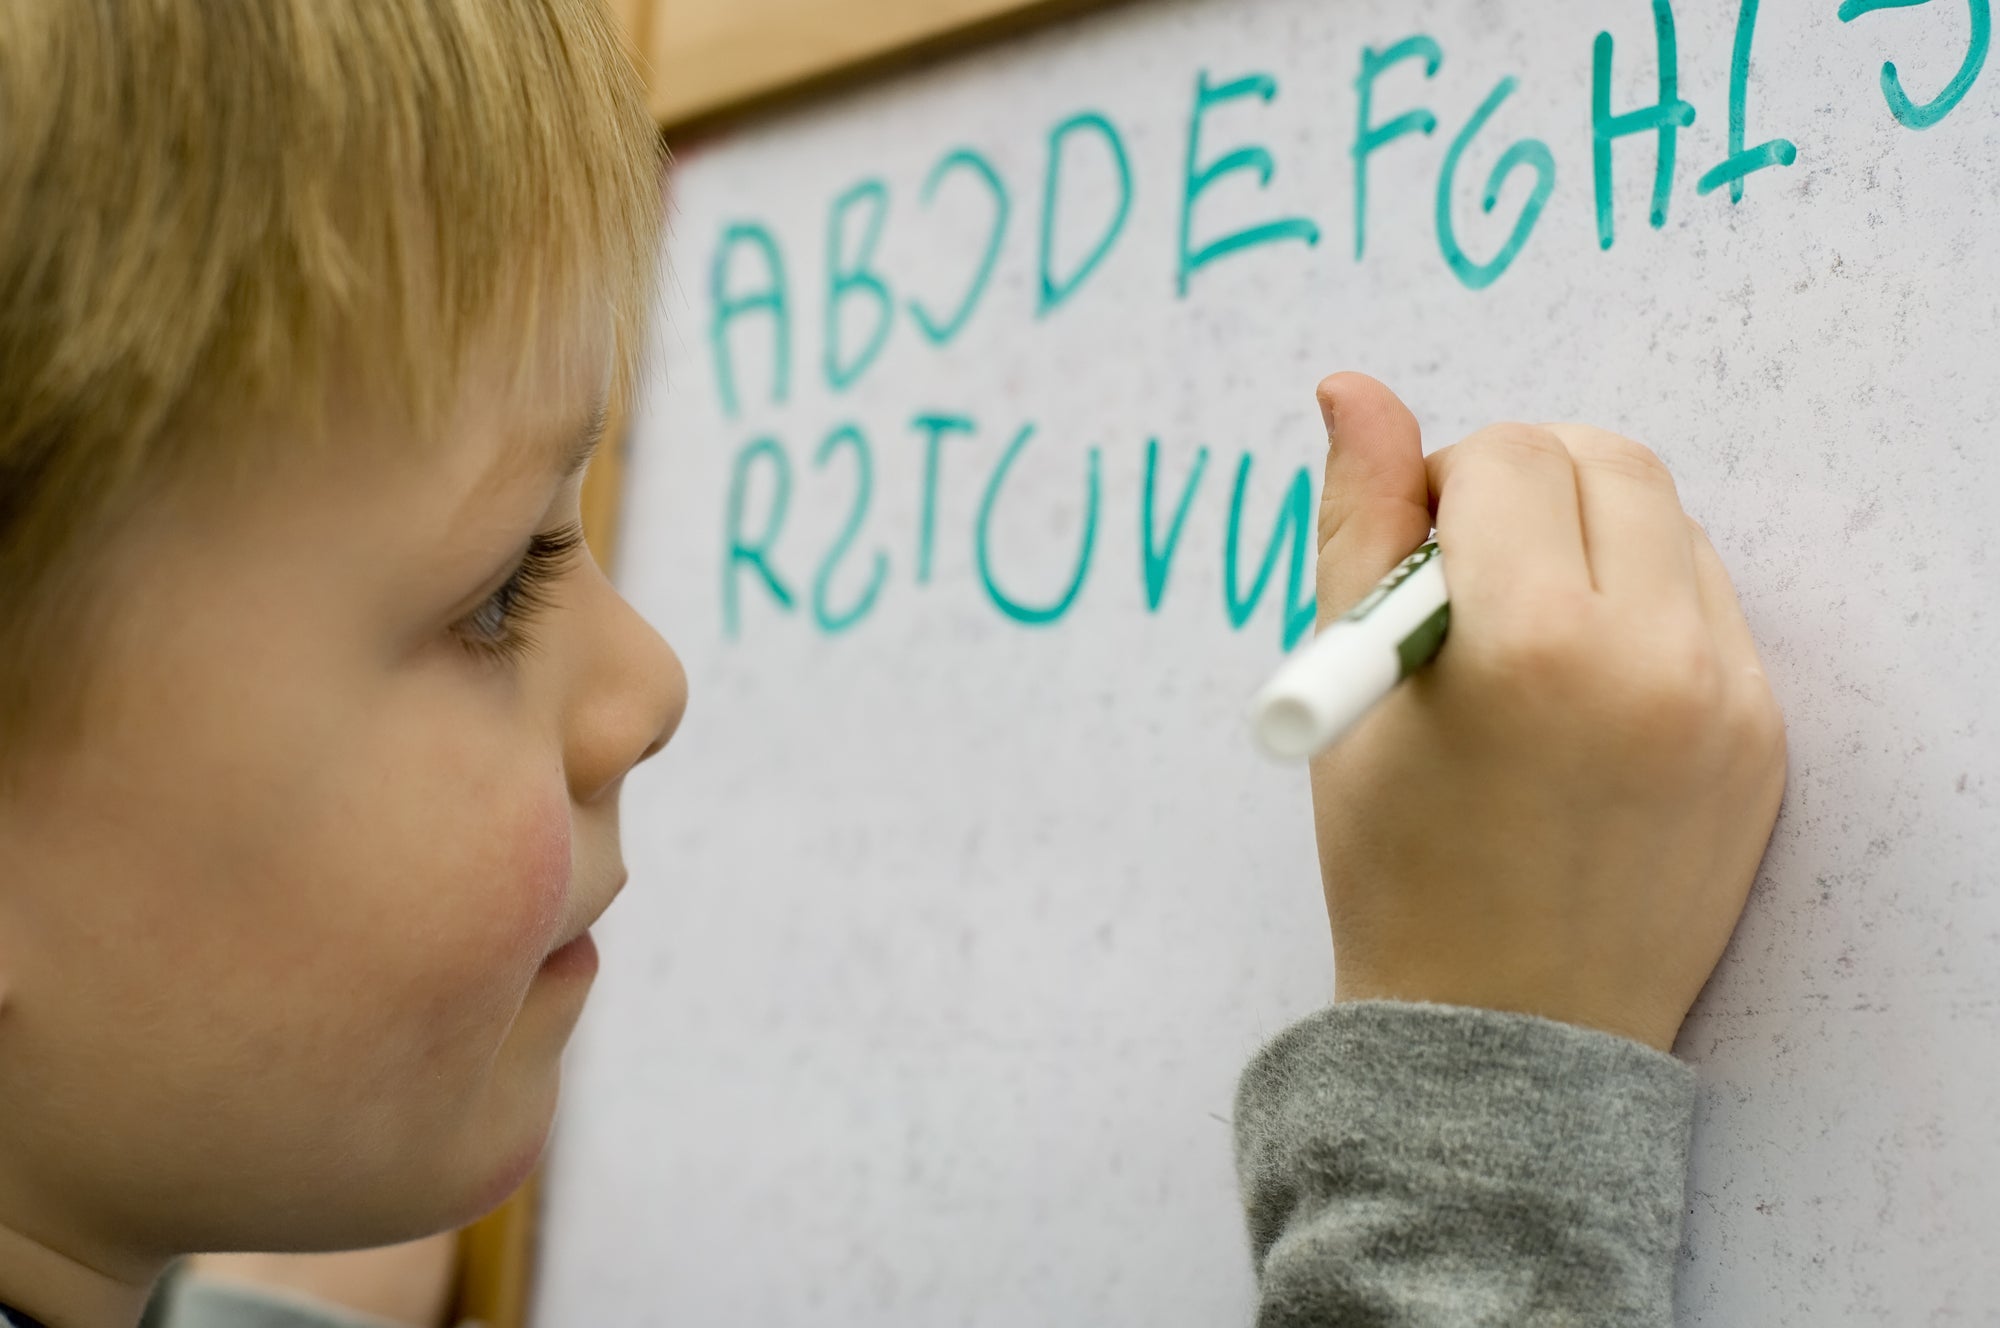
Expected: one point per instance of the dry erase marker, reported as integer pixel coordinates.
(1320, 692)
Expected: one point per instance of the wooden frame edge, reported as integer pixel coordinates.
(701, 119)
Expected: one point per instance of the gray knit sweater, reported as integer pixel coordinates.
(1420, 1166)
(1417, 1166)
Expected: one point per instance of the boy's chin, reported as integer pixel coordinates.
(511, 1173)
(450, 1186)
(490, 1174)
(476, 1146)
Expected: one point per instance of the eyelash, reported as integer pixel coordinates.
(499, 628)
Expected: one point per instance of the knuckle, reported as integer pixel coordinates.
(1760, 720)
(1518, 444)
(1597, 449)
(1579, 437)
(1676, 693)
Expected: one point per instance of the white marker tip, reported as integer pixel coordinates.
(1286, 728)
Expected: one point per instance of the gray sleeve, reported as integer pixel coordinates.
(202, 1303)
(1418, 1166)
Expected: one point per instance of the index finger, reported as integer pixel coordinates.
(1635, 535)
(1508, 518)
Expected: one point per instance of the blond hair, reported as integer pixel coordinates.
(207, 204)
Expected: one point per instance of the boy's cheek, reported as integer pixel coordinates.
(520, 891)
(541, 866)
(402, 910)
(362, 928)
(495, 899)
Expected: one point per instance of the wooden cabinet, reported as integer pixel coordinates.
(705, 58)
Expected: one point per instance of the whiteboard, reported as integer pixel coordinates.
(961, 897)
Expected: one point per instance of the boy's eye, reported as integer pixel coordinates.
(498, 627)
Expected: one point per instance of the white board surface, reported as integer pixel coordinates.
(950, 926)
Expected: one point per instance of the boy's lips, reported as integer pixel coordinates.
(577, 957)
(582, 931)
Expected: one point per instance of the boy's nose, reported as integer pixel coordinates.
(630, 693)
(673, 683)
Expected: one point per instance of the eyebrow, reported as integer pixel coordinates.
(564, 457)
(578, 448)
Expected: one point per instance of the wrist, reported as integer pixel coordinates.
(1468, 991)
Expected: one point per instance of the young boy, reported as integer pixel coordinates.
(315, 713)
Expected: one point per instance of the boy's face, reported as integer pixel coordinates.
(288, 940)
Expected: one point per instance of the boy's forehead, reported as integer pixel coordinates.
(488, 462)
(533, 454)
(552, 410)
(514, 419)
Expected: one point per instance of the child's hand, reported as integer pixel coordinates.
(1563, 814)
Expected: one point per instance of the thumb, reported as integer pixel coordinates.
(1375, 505)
